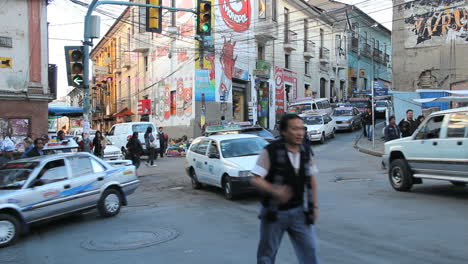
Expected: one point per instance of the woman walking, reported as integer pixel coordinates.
(135, 149)
(149, 143)
(98, 144)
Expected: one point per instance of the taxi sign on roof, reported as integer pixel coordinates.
(211, 129)
(66, 144)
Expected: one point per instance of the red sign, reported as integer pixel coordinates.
(167, 102)
(290, 77)
(279, 89)
(144, 107)
(236, 14)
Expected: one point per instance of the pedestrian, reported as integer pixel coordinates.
(369, 121)
(408, 125)
(37, 150)
(392, 131)
(81, 143)
(98, 144)
(150, 146)
(285, 174)
(45, 139)
(60, 136)
(28, 146)
(64, 129)
(7, 155)
(364, 123)
(135, 149)
(163, 138)
(419, 120)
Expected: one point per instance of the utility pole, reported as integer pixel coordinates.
(358, 72)
(88, 42)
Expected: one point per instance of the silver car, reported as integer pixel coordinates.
(347, 118)
(45, 187)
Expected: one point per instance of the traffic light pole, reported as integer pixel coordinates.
(88, 42)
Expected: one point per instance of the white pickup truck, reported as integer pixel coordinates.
(437, 150)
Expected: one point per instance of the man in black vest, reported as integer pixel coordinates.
(284, 173)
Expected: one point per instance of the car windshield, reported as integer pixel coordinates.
(141, 128)
(241, 147)
(14, 175)
(343, 112)
(313, 120)
(258, 132)
(300, 108)
(381, 104)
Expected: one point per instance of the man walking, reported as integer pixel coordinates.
(284, 173)
(369, 121)
(162, 142)
(408, 125)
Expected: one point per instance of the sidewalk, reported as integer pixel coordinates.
(366, 146)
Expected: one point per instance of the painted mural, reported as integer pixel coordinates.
(435, 22)
(233, 44)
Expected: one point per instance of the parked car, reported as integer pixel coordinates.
(234, 129)
(347, 118)
(120, 133)
(40, 188)
(437, 150)
(320, 126)
(224, 161)
(319, 105)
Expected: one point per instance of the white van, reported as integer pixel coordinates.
(120, 133)
(320, 105)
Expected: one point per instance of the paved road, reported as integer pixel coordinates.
(362, 221)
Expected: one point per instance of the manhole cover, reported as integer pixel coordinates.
(131, 240)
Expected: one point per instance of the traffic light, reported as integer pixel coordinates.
(204, 17)
(75, 65)
(154, 17)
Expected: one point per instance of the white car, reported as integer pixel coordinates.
(319, 126)
(438, 150)
(120, 133)
(224, 161)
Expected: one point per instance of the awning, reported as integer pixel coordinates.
(459, 99)
(124, 112)
(61, 110)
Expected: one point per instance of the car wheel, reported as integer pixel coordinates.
(228, 190)
(333, 133)
(110, 203)
(10, 228)
(195, 183)
(459, 184)
(322, 139)
(400, 176)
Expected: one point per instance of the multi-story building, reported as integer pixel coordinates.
(429, 44)
(27, 81)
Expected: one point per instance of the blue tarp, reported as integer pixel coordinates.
(60, 110)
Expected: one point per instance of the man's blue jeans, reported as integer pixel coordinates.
(302, 236)
(370, 130)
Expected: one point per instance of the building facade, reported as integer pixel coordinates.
(429, 44)
(27, 81)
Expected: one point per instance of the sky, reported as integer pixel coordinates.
(66, 28)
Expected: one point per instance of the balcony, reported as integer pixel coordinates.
(324, 55)
(366, 50)
(117, 66)
(142, 43)
(309, 49)
(265, 31)
(290, 42)
(378, 56)
(125, 60)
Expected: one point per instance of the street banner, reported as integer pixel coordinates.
(279, 90)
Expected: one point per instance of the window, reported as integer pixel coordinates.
(53, 171)
(97, 167)
(320, 105)
(142, 20)
(213, 149)
(286, 61)
(141, 128)
(321, 38)
(194, 145)
(306, 35)
(261, 51)
(145, 59)
(286, 25)
(458, 126)
(202, 147)
(306, 88)
(306, 67)
(80, 166)
(111, 132)
(431, 129)
(274, 12)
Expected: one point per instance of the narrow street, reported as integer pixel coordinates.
(362, 220)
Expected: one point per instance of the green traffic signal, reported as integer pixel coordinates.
(206, 27)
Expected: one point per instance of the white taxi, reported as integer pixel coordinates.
(224, 161)
(319, 126)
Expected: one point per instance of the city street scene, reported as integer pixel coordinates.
(233, 131)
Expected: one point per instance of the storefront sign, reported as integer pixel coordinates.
(144, 107)
(263, 69)
(240, 74)
(279, 90)
(203, 86)
(236, 15)
(290, 78)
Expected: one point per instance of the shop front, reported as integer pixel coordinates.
(239, 101)
(262, 86)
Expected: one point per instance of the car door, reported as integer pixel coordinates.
(214, 164)
(85, 183)
(329, 124)
(454, 144)
(424, 153)
(48, 195)
(200, 160)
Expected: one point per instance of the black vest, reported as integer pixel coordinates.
(282, 172)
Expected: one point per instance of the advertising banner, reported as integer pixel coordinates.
(279, 90)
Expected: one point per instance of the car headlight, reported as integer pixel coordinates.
(244, 173)
(347, 121)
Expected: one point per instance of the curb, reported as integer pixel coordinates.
(365, 150)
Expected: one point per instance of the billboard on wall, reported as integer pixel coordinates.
(233, 38)
(279, 90)
(432, 23)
